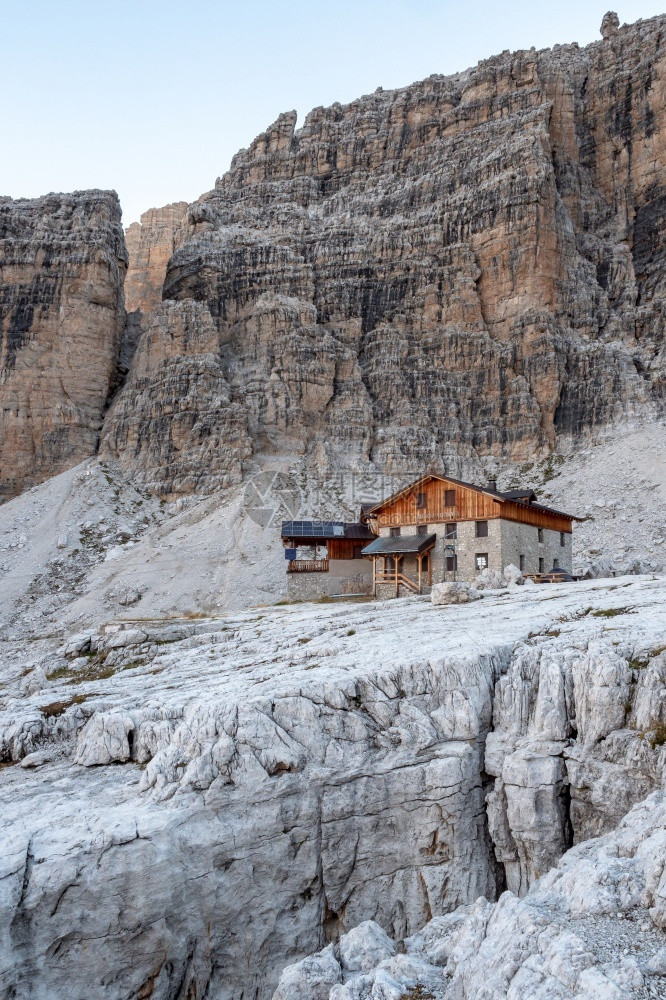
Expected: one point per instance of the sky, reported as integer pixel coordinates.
(153, 98)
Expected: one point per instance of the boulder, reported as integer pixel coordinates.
(453, 593)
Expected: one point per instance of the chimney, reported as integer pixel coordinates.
(492, 485)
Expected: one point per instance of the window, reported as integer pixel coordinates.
(521, 560)
(395, 532)
(449, 498)
(481, 560)
(556, 563)
(421, 529)
(563, 539)
(481, 529)
(421, 500)
(540, 534)
(452, 529)
(358, 549)
(451, 563)
(541, 564)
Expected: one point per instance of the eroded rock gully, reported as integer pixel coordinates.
(470, 266)
(198, 804)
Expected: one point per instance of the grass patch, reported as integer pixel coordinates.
(55, 675)
(95, 671)
(612, 612)
(57, 708)
(351, 631)
(305, 638)
(658, 737)
(418, 993)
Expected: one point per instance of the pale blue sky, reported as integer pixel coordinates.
(153, 98)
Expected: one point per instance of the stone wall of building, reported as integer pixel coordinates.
(505, 543)
(523, 539)
(345, 576)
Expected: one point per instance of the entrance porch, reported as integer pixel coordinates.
(402, 561)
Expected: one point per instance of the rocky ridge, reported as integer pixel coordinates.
(273, 778)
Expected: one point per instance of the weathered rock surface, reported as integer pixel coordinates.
(174, 425)
(212, 800)
(62, 266)
(469, 266)
(150, 244)
(591, 929)
(453, 593)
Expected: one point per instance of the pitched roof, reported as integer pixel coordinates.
(519, 497)
(399, 545)
(527, 495)
(325, 530)
(425, 479)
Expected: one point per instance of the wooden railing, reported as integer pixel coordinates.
(307, 566)
(404, 581)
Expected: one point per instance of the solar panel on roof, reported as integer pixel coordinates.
(313, 529)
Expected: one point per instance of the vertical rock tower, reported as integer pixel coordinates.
(62, 267)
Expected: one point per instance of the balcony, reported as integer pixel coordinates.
(307, 566)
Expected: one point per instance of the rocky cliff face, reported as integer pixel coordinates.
(150, 245)
(469, 266)
(209, 800)
(62, 266)
(592, 929)
(175, 425)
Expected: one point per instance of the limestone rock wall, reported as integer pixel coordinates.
(592, 929)
(150, 244)
(469, 266)
(62, 266)
(175, 424)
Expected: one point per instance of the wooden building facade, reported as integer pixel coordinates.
(468, 528)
